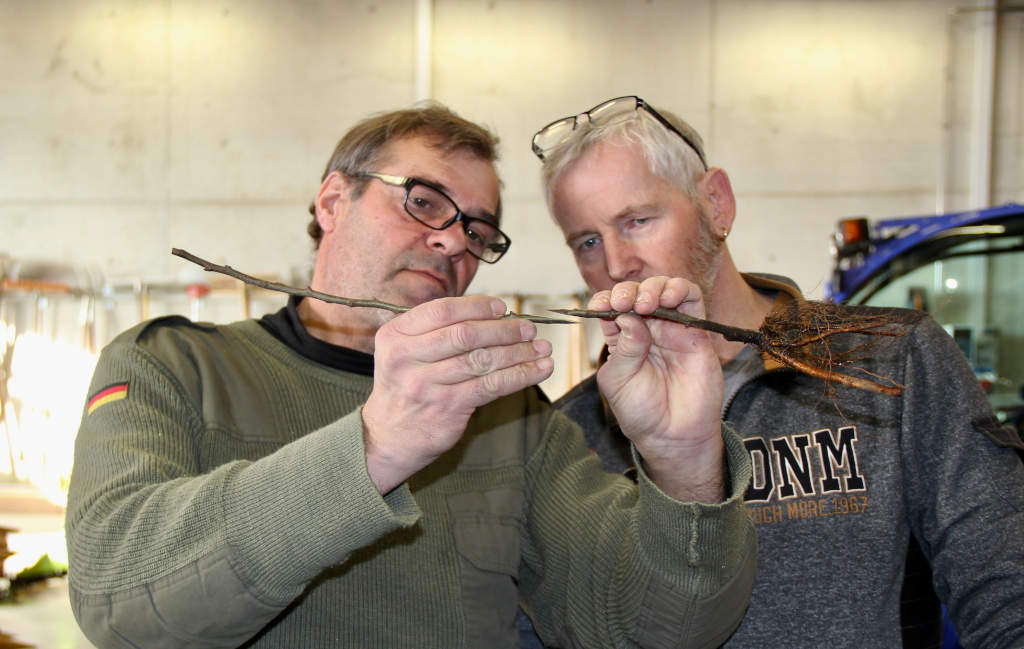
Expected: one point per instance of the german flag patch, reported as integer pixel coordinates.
(109, 394)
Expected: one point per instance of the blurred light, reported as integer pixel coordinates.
(952, 284)
(29, 547)
(47, 384)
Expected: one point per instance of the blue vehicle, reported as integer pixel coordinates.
(964, 268)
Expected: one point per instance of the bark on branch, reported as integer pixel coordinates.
(326, 297)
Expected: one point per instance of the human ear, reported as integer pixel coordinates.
(716, 190)
(331, 200)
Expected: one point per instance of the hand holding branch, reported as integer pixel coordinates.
(663, 381)
(433, 367)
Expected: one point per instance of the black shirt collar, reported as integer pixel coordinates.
(286, 326)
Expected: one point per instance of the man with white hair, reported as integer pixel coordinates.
(846, 482)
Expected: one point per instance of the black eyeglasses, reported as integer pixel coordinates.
(436, 210)
(609, 112)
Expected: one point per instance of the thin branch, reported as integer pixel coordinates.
(735, 334)
(326, 297)
(771, 339)
(284, 288)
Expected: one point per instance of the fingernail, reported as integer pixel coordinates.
(498, 308)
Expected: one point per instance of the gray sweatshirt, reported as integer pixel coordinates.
(843, 481)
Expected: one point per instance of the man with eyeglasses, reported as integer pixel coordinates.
(334, 476)
(847, 484)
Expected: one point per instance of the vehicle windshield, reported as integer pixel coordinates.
(973, 285)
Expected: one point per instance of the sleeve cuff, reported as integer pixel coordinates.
(707, 535)
(315, 494)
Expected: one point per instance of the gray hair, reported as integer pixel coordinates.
(668, 156)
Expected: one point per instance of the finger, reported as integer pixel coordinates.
(634, 337)
(601, 301)
(487, 388)
(442, 312)
(649, 294)
(462, 337)
(488, 360)
(684, 296)
(629, 352)
(623, 296)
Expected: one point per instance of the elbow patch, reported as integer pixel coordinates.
(204, 604)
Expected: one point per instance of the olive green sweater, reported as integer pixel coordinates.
(220, 498)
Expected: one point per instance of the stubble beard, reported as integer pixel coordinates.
(438, 265)
(705, 257)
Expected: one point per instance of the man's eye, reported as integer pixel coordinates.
(473, 235)
(588, 244)
(420, 202)
(640, 220)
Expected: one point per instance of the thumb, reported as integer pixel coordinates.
(632, 344)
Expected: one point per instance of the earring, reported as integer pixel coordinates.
(725, 233)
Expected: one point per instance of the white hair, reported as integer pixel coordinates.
(668, 156)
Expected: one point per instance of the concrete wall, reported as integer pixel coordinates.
(128, 128)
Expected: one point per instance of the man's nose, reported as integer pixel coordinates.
(621, 260)
(449, 242)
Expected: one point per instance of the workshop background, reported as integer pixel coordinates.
(131, 127)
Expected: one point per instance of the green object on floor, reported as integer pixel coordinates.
(42, 569)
